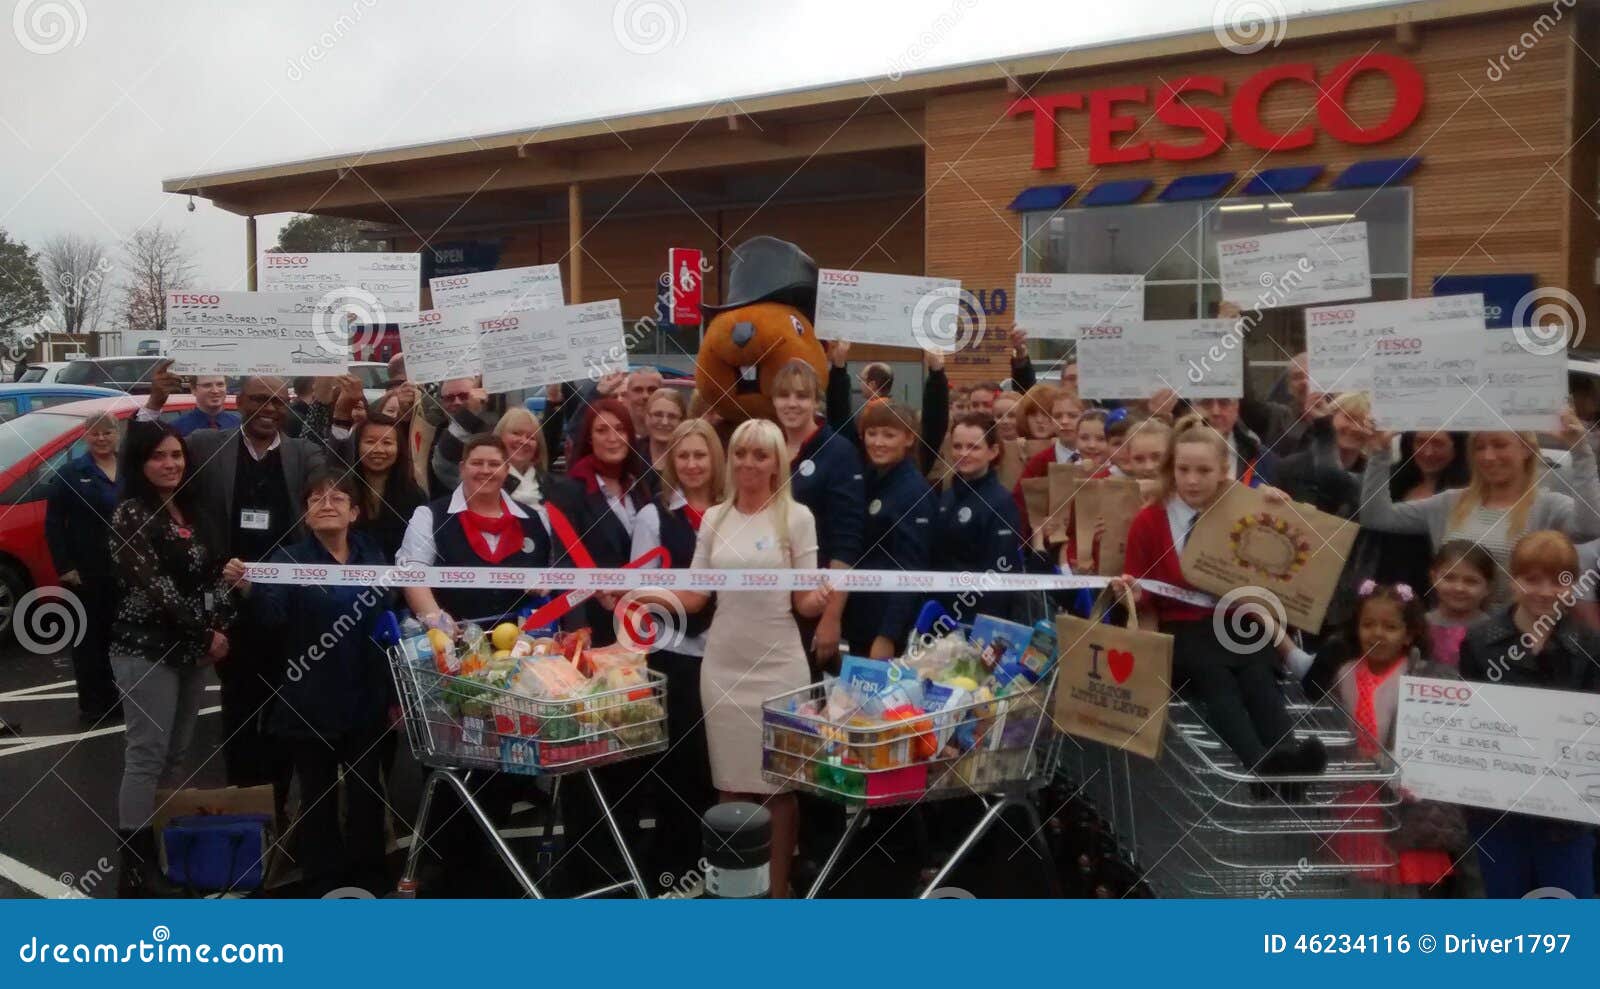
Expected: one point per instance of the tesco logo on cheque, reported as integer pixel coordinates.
(840, 278)
(287, 260)
(1332, 315)
(1400, 345)
(190, 299)
(498, 323)
(1453, 693)
(1100, 331)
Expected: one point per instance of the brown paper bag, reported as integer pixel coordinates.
(1065, 482)
(1036, 500)
(1114, 683)
(1115, 501)
(1009, 467)
(1290, 549)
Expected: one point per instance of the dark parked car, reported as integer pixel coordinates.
(129, 374)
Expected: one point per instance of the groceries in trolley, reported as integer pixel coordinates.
(526, 702)
(957, 712)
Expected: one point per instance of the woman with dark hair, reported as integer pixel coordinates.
(387, 494)
(175, 604)
(1429, 463)
(610, 476)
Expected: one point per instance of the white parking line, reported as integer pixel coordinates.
(16, 746)
(36, 882)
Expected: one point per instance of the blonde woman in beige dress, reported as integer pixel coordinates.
(753, 648)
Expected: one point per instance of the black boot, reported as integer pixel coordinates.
(1311, 757)
(140, 876)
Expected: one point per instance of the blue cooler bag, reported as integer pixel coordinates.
(216, 852)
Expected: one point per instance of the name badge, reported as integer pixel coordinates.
(254, 521)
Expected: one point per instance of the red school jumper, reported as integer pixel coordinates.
(1152, 555)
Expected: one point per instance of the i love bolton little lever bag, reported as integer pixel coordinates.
(1114, 682)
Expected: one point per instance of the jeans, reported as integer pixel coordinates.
(160, 703)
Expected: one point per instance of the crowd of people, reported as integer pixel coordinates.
(1468, 544)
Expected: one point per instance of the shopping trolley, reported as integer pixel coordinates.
(459, 726)
(1196, 823)
(868, 767)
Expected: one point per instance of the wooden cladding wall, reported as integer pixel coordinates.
(1491, 195)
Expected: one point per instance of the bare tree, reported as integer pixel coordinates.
(77, 274)
(156, 261)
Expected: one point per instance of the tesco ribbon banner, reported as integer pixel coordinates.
(623, 579)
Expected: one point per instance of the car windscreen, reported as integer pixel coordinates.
(32, 374)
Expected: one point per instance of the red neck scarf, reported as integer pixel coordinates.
(589, 469)
(1367, 683)
(694, 515)
(506, 527)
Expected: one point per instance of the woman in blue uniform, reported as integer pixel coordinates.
(977, 527)
(900, 508)
(826, 476)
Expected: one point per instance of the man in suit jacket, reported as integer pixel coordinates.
(250, 482)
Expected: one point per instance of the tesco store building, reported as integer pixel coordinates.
(1463, 134)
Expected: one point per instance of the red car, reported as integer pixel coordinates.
(32, 447)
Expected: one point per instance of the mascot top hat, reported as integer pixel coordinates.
(763, 324)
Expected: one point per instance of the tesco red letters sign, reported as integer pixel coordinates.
(1202, 105)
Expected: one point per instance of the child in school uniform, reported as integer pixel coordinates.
(1386, 638)
(1234, 683)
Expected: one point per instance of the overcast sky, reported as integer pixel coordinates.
(102, 99)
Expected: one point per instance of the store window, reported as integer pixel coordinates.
(1174, 245)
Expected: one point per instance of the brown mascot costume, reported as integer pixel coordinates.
(764, 324)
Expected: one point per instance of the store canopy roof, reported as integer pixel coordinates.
(881, 115)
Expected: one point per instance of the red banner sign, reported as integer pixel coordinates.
(683, 263)
(1182, 103)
